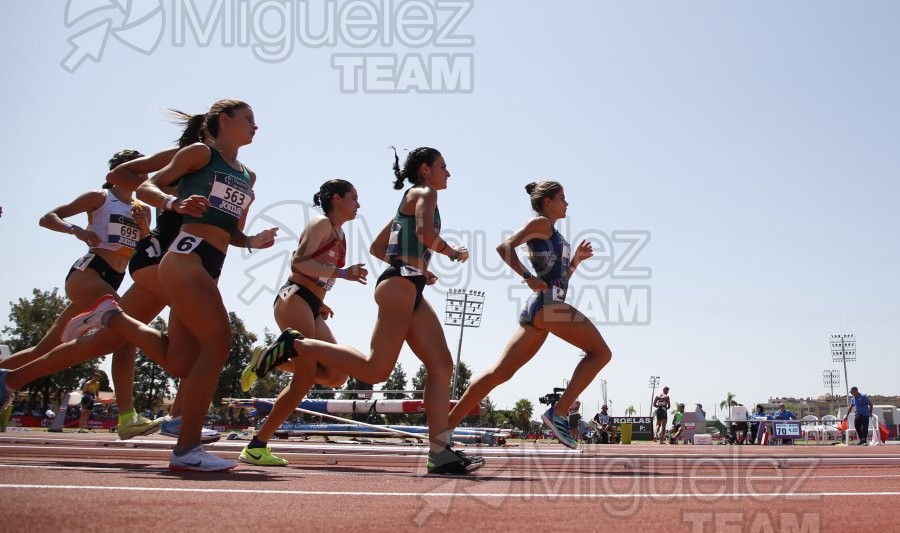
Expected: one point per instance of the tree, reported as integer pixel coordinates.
(396, 381)
(728, 402)
(151, 383)
(418, 381)
(31, 319)
(487, 417)
(241, 343)
(462, 381)
(355, 384)
(630, 411)
(521, 413)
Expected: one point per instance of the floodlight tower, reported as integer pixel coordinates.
(831, 378)
(654, 382)
(843, 349)
(463, 308)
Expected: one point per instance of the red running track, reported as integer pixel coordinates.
(53, 482)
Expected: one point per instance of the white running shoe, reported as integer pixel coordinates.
(90, 319)
(199, 460)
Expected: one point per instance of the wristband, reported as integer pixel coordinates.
(526, 276)
(444, 247)
(170, 202)
(69, 228)
(455, 255)
(341, 273)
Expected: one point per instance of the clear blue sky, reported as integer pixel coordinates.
(755, 142)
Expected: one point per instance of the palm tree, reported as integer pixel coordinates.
(522, 413)
(630, 411)
(728, 402)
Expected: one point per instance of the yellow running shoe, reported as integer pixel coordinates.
(261, 457)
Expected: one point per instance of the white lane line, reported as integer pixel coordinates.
(444, 494)
(282, 472)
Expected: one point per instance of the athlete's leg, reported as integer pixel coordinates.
(572, 326)
(523, 345)
(143, 304)
(326, 376)
(291, 313)
(194, 295)
(395, 298)
(427, 341)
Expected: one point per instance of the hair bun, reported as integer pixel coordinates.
(529, 188)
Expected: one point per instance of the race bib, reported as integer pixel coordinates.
(393, 248)
(230, 194)
(288, 291)
(185, 243)
(153, 250)
(558, 294)
(408, 271)
(82, 263)
(122, 231)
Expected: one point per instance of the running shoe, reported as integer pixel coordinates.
(6, 395)
(199, 460)
(90, 319)
(248, 376)
(449, 462)
(137, 426)
(473, 462)
(278, 353)
(559, 425)
(171, 427)
(261, 457)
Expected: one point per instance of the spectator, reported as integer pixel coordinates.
(662, 405)
(602, 426)
(89, 392)
(863, 413)
(758, 430)
(677, 429)
(784, 414)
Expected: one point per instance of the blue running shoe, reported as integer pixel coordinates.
(559, 425)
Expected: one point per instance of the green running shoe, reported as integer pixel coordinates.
(279, 352)
(248, 376)
(261, 457)
(137, 426)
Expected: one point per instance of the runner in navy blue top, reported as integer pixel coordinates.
(545, 312)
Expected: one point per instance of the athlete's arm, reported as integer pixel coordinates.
(188, 159)
(315, 234)
(87, 202)
(584, 251)
(379, 246)
(132, 174)
(141, 215)
(536, 228)
(426, 203)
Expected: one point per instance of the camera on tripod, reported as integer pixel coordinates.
(553, 397)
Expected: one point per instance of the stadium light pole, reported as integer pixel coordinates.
(831, 378)
(843, 349)
(654, 382)
(463, 308)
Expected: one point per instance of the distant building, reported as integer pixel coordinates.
(823, 405)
